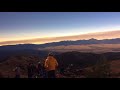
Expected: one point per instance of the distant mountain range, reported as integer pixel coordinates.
(36, 49)
(65, 43)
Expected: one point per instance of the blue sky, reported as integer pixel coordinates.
(28, 25)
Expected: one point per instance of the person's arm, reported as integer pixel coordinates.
(56, 63)
(46, 63)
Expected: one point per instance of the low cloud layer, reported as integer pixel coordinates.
(97, 35)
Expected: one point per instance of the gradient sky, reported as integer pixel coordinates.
(15, 26)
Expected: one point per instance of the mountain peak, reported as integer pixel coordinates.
(92, 39)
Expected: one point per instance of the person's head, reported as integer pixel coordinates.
(39, 63)
(50, 54)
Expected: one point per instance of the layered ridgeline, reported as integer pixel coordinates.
(65, 43)
(41, 50)
(78, 58)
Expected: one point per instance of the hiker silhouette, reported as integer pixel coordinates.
(51, 64)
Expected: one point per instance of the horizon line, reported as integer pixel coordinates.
(56, 41)
(95, 35)
(63, 36)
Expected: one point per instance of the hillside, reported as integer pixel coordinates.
(79, 61)
(4, 54)
(6, 67)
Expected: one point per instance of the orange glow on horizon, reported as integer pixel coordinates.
(96, 35)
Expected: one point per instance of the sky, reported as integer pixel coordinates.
(43, 27)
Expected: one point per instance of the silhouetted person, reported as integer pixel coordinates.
(44, 72)
(51, 64)
(17, 72)
(41, 70)
(62, 70)
(30, 74)
(34, 70)
(29, 71)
